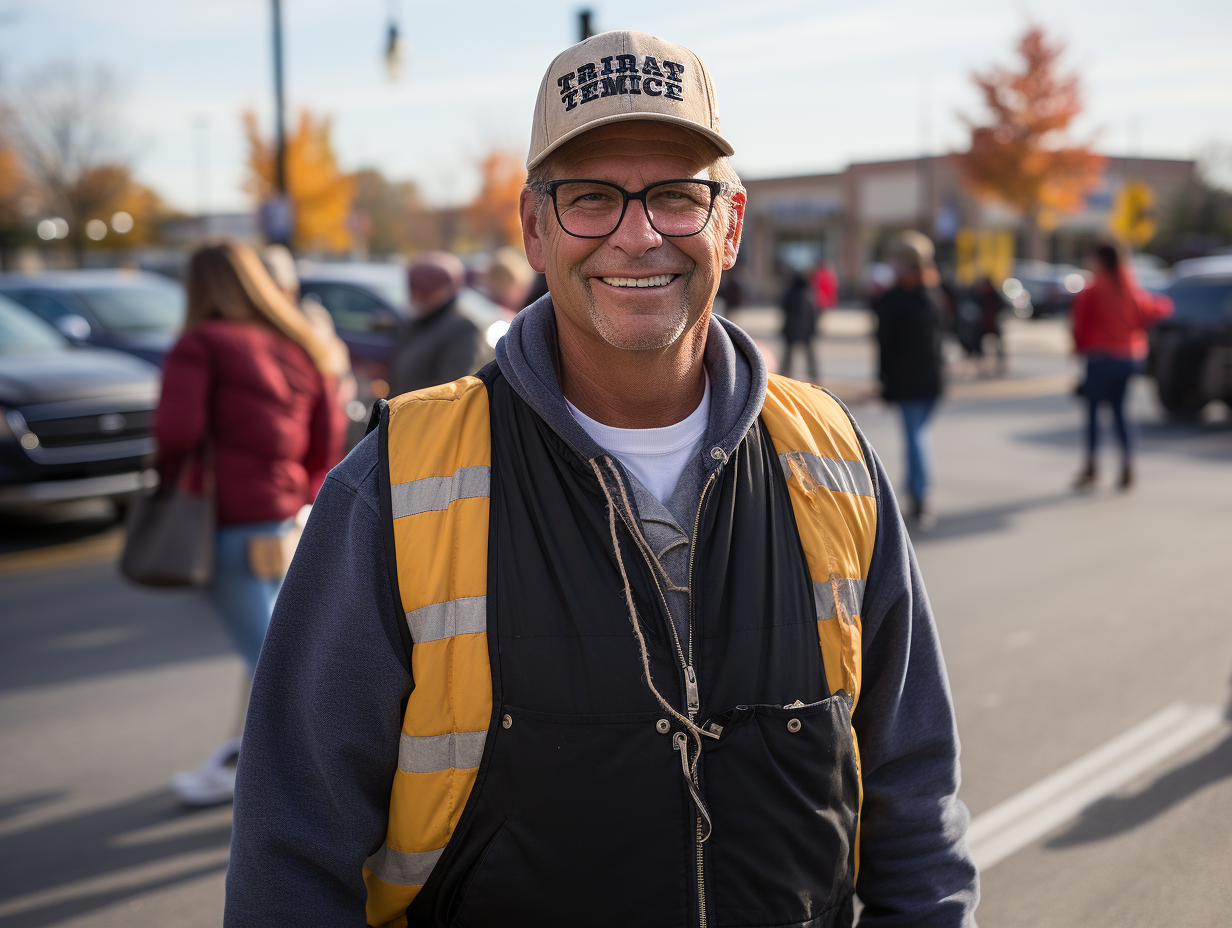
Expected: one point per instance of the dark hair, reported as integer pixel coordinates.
(1108, 256)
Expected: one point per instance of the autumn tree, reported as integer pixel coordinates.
(321, 195)
(14, 183)
(1020, 152)
(68, 137)
(492, 218)
(389, 214)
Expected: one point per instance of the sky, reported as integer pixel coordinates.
(803, 87)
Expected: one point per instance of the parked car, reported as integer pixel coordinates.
(1050, 287)
(1191, 352)
(132, 311)
(74, 420)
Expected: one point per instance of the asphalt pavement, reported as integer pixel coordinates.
(1088, 641)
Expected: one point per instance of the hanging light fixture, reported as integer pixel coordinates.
(393, 44)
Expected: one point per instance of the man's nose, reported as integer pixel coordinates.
(635, 235)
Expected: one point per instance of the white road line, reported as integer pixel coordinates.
(1037, 810)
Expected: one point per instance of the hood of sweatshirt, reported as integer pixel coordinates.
(527, 358)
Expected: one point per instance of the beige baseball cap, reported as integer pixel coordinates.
(618, 76)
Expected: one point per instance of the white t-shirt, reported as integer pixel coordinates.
(656, 457)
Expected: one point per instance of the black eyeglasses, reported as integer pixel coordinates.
(595, 208)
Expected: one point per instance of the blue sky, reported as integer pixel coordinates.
(803, 86)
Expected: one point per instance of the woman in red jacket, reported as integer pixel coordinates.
(1109, 320)
(251, 384)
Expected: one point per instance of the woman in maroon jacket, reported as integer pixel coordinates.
(251, 384)
(1109, 320)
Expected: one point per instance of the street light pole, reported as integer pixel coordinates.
(280, 132)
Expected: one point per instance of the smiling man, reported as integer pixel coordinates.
(621, 630)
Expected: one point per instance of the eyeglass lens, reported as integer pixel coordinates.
(590, 208)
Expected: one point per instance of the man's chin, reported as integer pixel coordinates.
(640, 331)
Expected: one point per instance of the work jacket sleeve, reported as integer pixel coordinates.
(915, 867)
(321, 741)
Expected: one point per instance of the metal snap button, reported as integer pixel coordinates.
(717, 453)
(793, 726)
(507, 721)
(663, 726)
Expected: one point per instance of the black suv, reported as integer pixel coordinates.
(1191, 352)
(75, 422)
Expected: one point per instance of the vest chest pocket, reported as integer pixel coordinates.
(784, 798)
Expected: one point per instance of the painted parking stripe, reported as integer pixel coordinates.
(1023, 819)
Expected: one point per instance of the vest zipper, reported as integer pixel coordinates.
(692, 694)
(690, 676)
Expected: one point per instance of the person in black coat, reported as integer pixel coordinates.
(799, 324)
(439, 344)
(909, 329)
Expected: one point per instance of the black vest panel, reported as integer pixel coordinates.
(580, 814)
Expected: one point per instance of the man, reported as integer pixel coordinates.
(909, 337)
(651, 598)
(439, 344)
(799, 324)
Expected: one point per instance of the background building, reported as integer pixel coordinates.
(846, 217)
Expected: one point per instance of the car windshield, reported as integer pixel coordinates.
(21, 331)
(1201, 299)
(133, 310)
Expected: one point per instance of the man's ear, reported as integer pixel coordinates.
(735, 228)
(532, 234)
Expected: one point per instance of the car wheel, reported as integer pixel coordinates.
(1180, 392)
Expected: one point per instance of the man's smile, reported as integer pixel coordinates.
(641, 283)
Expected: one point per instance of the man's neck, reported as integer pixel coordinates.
(633, 389)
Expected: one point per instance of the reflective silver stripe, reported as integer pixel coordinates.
(459, 750)
(430, 494)
(401, 868)
(831, 473)
(466, 616)
(850, 595)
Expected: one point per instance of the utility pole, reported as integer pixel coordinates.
(584, 28)
(274, 215)
(280, 128)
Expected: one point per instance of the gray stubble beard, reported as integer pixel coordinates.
(611, 334)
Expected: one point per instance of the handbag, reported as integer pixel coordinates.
(169, 538)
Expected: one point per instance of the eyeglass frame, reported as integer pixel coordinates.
(717, 189)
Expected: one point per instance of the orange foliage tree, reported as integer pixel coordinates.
(492, 217)
(13, 183)
(321, 195)
(1020, 153)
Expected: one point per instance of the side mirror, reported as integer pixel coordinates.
(73, 327)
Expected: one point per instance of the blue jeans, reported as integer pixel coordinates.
(243, 602)
(1107, 380)
(916, 414)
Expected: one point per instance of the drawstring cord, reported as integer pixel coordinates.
(679, 741)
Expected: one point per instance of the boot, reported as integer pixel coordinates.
(1127, 476)
(1086, 478)
(923, 513)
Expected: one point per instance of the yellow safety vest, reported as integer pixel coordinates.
(439, 457)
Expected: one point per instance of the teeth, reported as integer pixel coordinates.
(662, 280)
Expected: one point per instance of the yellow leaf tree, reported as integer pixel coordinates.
(1020, 153)
(13, 183)
(321, 195)
(492, 218)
